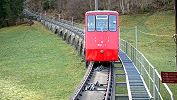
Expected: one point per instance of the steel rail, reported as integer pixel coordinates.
(105, 96)
(109, 92)
(89, 70)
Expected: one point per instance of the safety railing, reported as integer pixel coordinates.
(63, 23)
(158, 90)
(49, 18)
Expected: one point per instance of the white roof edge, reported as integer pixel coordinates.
(101, 11)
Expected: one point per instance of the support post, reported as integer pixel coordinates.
(96, 4)
(126, 48)
(159, 88)
(154, 84)
(176, 32)
(136, 31)
(59, 17)
(141, 65)
(40, 16)
(134, 60)
(135, 56)
(72, 20)
(109, 4)
(149, 78)
(131, 53)
(45, 13)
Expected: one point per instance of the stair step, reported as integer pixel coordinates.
(140, 96)
(135, 81)
(136, 84)
(141, 99)
(120, 75)
(121, 83)
(119, 68)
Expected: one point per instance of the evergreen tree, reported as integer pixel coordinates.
(10, 10)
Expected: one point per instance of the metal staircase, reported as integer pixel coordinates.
(137, 89)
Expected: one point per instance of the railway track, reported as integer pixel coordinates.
(97, 83)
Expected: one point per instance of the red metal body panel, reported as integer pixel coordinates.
(108, 55)
(102, 46)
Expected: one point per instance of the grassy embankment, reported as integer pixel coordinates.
(159, 50)
(37, 65)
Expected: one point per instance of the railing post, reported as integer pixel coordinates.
(59, 17)
(172, 97)
(134, 56)
(45, 13)
(40, 16)
(154, 84)
(126, 48)
(133, 50)
(131, 53)
(72, 20)
(136, 31)
(159, 88)
(141, 65)
(149, 78)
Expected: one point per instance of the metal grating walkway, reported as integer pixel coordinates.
(136, 87)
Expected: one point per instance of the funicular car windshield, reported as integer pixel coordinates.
(102, 22)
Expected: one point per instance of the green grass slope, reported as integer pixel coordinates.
(159, 46)
(37, 65)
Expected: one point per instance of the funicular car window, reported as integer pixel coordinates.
(101, 22)
(112, 23)
(91, 23)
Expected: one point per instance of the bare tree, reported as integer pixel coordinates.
(122, 6)
(128, 6)
(90, 4)
(77, 8)
(109, 4)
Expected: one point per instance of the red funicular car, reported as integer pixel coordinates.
(101, 36)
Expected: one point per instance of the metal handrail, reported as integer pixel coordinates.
(138, 59)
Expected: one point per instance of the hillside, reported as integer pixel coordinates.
(37, 65)
(154, 38)
(158, 46)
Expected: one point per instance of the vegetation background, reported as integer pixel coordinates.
(77, 8)
(11, 10)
